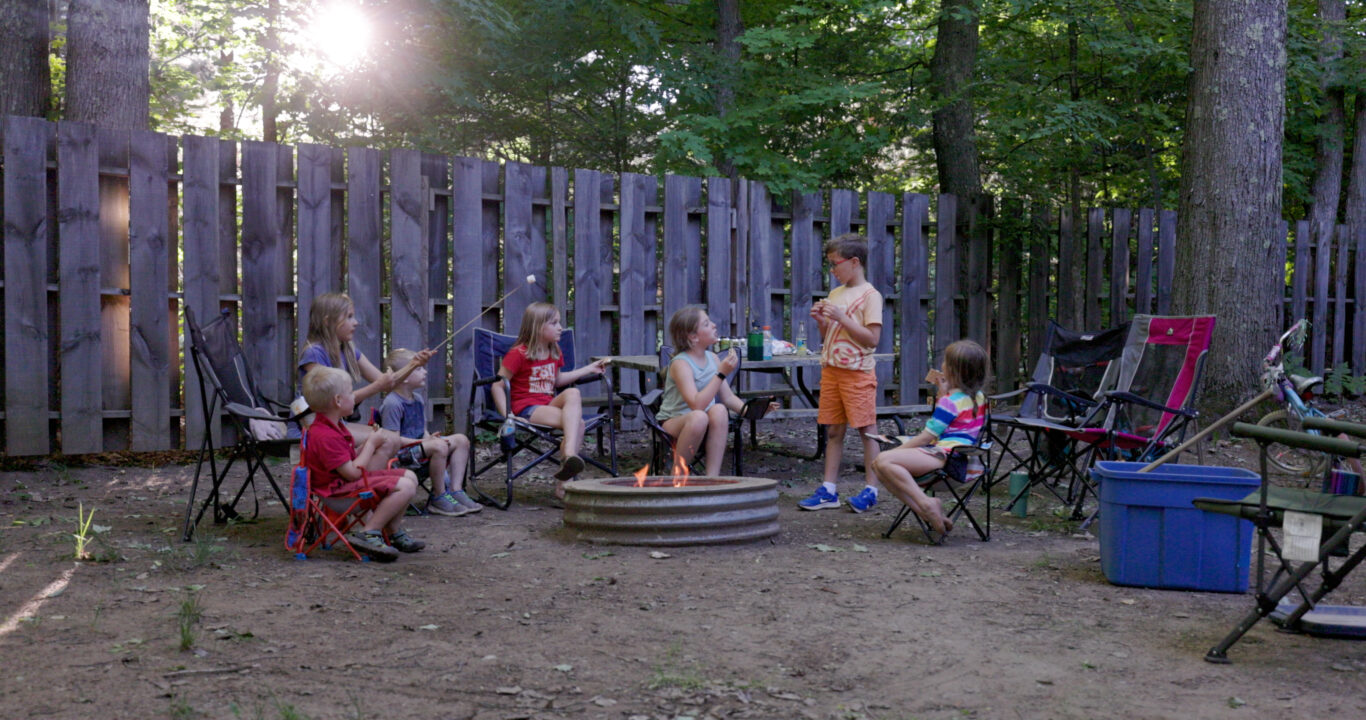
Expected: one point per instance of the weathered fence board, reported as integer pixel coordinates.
(147, 253)
(1095, 264)
(436, 174)
(1323, 259)
(1299, 292)
(945, 278)
(1039, 262)
(592, 277)
(1009, 242)
(260, 264)
(881, 271)
(1143, 272)
(1340, 270)
(408, 265)
(26, 145)
(682, 278)
(1069, 310)
(115, 383)
(78, 212)
(914, 293)
(637, 261)
(202, 273)
(1166, 260)
(522, 255)
(1119, 266)
(319, 258)
(364, 262)
(718, 299)
(467, 278)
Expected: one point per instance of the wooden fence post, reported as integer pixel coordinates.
(1318, 331)
(26, 142)
(1040, 261)
(882, 273)
(1143, 274)
(913, 290)
(1010, 245)
(1166, 259)
(467, 278)
(78, 212)
(1119, 266)
(718, 297)
(945, 277)
(147, 257)
(1095, 268)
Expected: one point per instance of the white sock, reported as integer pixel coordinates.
(830, 488)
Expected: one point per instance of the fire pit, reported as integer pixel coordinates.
(650, 510)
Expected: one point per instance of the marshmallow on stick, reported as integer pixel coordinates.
(410, 367)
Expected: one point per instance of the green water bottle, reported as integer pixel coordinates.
(755, 343)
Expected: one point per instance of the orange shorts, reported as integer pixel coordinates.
(848, 397)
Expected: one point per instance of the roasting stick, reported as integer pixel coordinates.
(410, 367)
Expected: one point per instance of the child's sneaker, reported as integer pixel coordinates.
(465, 501)
(371, 543)
(404, 542)
(444, 504)
(865, 499)
(820, 500)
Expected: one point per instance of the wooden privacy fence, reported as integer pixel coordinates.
(108, 235)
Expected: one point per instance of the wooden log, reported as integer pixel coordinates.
(1166, 259)
(148, 249)
(946, 328)
(1143, 271)
(1095, 267)
(718, 295)
(1121, 220)
(26, 142)
(78, 212)
(914, 292)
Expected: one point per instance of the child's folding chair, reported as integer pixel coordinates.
(313, 523)
(963, 475)
(541, 442)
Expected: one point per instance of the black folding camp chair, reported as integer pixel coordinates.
(541, 442)
(961, 486)
(1073, 371)
(662, 444)
(226, 385)
(1267, 507)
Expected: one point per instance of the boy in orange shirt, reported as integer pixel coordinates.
(850, 321)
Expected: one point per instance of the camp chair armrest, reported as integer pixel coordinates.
(1128, 397)
(649, 399)
(1047, 389)
(480, 382)
(253, 413)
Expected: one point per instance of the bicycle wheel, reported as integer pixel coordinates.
(1295, 461)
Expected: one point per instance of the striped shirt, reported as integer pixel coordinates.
(957, 420)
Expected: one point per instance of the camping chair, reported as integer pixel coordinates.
(541, 441)
(1270, 507)
(1150, 407)
(225, 383)
(1073, 371)
(313, 522)
(662, 444)
(954, 477)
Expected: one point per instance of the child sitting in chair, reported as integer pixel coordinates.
(338, 470)
(957, 420)
(404, 411)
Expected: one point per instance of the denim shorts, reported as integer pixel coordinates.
(525, 413)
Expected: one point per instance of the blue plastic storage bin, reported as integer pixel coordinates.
(1151, 535)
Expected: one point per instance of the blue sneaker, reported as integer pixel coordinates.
(820, 500)
(865, 499)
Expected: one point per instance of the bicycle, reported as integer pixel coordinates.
(1295, 393)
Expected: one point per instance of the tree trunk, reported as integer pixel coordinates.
(27, 87)
(270, 86)
(1227, 260)
(1327, 180)
(1355, 210)
(955, 142)
(107, 63)
(728, 31)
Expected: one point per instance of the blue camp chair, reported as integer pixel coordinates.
(541, 442)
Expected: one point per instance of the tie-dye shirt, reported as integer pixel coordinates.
(957, 420)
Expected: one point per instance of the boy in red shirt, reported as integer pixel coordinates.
(338, 470)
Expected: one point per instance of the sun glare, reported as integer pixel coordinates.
(341, 34)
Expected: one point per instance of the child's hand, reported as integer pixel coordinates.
(386, 381)
(938, 379)
(728, 362)
(818, 310)
(833, 313)
(599, 366)
(421, 357)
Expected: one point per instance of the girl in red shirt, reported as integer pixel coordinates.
(533, 368)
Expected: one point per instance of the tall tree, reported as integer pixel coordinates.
(1230, 198)
(107, 63)
(728, 29)
(24, 43)
(951, 78)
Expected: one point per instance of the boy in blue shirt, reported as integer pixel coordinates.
(404, 411)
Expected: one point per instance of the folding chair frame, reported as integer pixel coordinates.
(239, 411)
(543, 442)
(953, 479)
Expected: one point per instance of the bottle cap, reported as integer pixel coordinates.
(768, 327)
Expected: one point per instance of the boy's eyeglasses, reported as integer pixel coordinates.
(837, 263)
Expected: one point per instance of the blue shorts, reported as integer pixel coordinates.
(525, 414)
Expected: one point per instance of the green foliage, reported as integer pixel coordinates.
(1340, 381)
(187, 619)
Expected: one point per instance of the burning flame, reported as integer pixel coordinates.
(680, 473)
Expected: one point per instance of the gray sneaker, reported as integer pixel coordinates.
(444, 505)
(465, 501)
(368, 542)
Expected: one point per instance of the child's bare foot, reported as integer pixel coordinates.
(559, 490)
(937, 519)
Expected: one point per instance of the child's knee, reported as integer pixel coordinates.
(717, 415)
(459, 443)
(408, 483)
(571, 394)
(697, 420)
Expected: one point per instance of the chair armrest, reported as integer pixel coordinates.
(1008, 395)
(480, 382)
(254, 413)
(1062, 394)
(1128, 397)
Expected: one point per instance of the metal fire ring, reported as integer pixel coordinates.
(709, 510)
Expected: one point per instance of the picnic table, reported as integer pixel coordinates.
(791, 368)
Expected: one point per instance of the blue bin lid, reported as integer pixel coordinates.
(1171, 472)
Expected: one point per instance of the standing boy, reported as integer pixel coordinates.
(850, 321)
(339, 472)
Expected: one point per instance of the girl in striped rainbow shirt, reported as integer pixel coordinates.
(957, 420)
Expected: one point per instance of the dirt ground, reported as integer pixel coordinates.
(506, 616)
